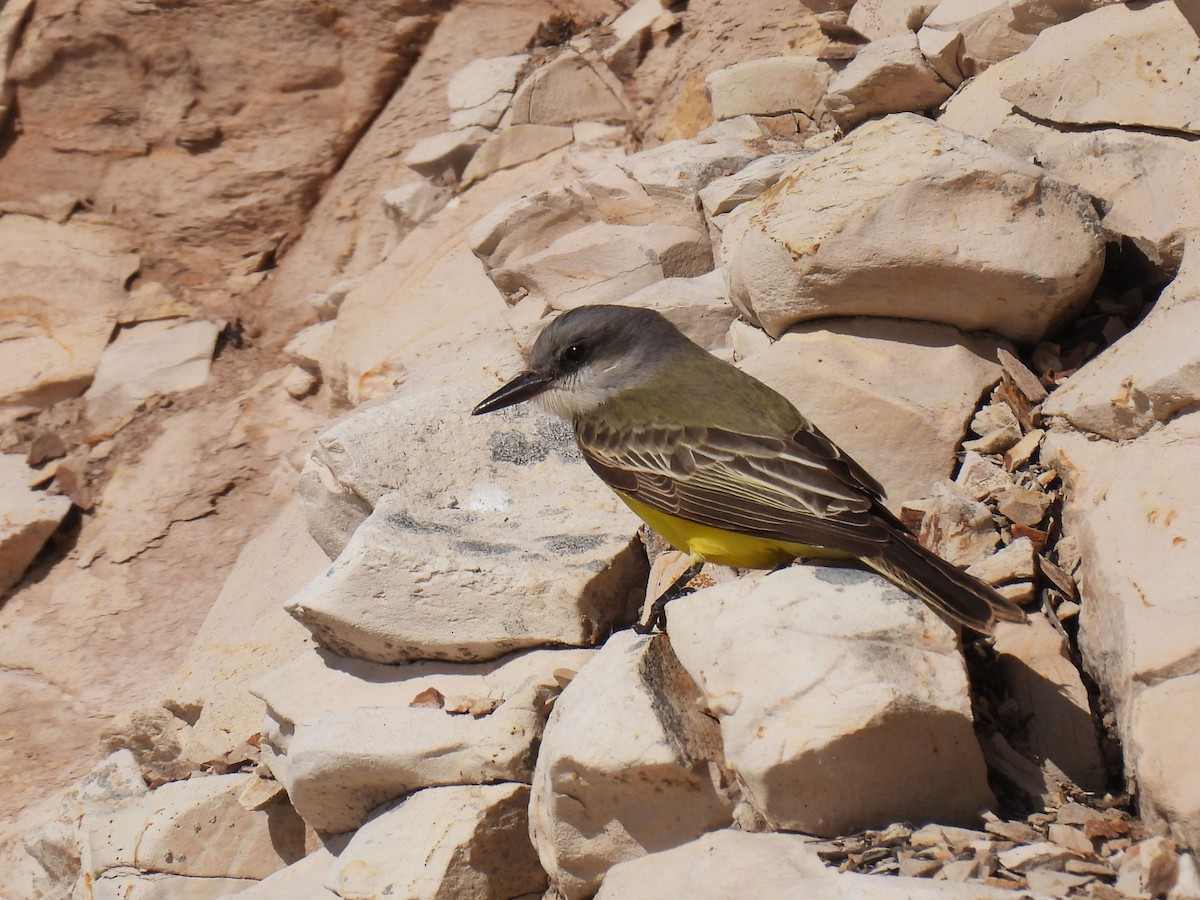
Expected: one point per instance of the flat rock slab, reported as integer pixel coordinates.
(345, 736)
(779, 866)
(487, 535)
(468, 841)
(875, 695)
(628, 765)
(27, 518)
(998, 245)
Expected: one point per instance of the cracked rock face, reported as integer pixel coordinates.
(248, 322)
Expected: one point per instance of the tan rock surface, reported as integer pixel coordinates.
(63, 289)
(887, 76)
(836, 236)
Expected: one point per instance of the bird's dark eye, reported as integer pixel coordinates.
(574, 354)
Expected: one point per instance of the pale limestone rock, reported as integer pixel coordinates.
(1027, 857)
(299, 383)
(699, 307)
(152, 734)
(570, 88)
(125, 885)
(195, 828)
(882, 18)
(412, 204)
(488, 534)
(765, 87)
(27, 519)
(1149, 375)
(444, 157)
(306, 348)
(480, 80)
(303, 880)
(1149, 868)
(873, 674)
(956, 526)
(673, 174)
(148, 360)
(425, 317)
(1135, 173)
(1154, 64)
(54, 846)
(1135, 537)
(487, 115)
(344, 736)
(245, 635)
(837, 236)
(986, 29)
(1036, 663)
(446, 842)
(866, 384)
(941, 49)
(326, 303)
(1011, 563)
(1187, 882)
(628, 765)
(778, 866)
(62, 291)
(629, 34)
(888, 75)
(601, 263)
(513, 146)
(1161, 738)
(724, 194)
(12, 20)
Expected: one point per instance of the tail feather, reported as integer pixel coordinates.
(948, 589)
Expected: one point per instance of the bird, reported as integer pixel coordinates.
(722, 466)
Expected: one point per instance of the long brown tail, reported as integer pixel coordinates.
(945, 587)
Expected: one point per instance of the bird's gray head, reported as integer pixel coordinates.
(587, 355)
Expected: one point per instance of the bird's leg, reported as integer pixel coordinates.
(657, 617)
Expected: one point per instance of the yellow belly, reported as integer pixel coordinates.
(704, 543)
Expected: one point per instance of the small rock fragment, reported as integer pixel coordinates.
(1024, 507)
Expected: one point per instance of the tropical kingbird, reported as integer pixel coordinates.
(719, 464)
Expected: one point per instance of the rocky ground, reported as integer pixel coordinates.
(282, 620)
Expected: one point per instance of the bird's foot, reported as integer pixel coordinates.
(656, 619)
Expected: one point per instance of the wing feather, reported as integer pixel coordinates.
(800, 489)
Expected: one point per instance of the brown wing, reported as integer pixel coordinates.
(801, 489)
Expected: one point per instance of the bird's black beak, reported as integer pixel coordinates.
(524, 387)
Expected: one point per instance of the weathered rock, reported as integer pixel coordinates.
(27, 519)
(148, 360)
(107, 124)
(673, 174)
(836, 236)
(487, 115)
(984, 32)
(724, 194)
(877, 19)
(123, 884)
(412, 204)
(627, 766)
(954, 525)
(1149, 375)
(796, 737)
(462, 557)
(570, 88)
(1134, 172)
(1149, 868)
(779, 866)
(1035, 661)
(470, 841)
(513, 146)
(1011, 563)
(941, 49)
(245, 635)
(195, 828)
(1134, 536)
(152, 735)
(866, 384)
(1168, 100)
(303, 880)
(63, 290)
(699, 307)
(306, 348)
(481, 80)
(345, 736)
(628, 37)
(766, 87)
(889, 75)
(600, 263)
(444, 157)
